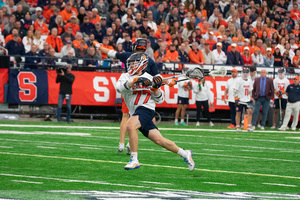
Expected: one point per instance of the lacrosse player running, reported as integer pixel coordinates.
(280, 85)
(243, 100)
(140, 98)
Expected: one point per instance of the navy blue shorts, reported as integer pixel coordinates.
(283, 103)
(240, 107)
(183, 100)
(145, 117)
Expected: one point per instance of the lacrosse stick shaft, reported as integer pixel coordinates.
(280, 112)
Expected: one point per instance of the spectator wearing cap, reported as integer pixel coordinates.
(238, 48)
(182, 54)
(127, 45)
(277, 57)
(172, 55)
(247, 44)
(73, 24)
(87, 27)
(161, 52)
(26, 22)
(19, 13)
(50, 12)
(208, 55)
(220, 57)
(247, 57)
(41, 26)
(54, 40)
(210, 41)
(234, 57)
(15, 46)
(257, 58)
(293, 105)
(195, 54)
(269, 58)
(65, 49)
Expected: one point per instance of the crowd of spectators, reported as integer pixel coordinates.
(236, 32)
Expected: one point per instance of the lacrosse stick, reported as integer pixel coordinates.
(195, 73)
(280, 112)
(218, 72)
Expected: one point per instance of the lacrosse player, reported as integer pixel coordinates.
(280, 85)
(242, 95)
(140, 98)
(184, 88)
(139, 46)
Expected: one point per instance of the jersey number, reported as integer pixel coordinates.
(246, 92)
(139, 94)
(281, 87)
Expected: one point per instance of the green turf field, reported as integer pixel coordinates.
(44, 160)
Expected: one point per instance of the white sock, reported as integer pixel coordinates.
(182, 153)
(182, 120)
(176, 120)
(134, 156)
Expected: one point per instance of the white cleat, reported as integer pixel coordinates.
(250, 129)
(281, 129)
(262, 128)
(121, 148)
(273, 127)
(198, 124)
(132, 165)
(128, 152)
(238, 129)
(189, 160)
(258, 126)
(293, 129)
(211, 124)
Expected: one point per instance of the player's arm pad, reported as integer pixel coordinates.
(112, 54)
(158, 98)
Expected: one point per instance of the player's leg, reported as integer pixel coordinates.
(287, 117)
(155, 136)
(125, 117)
(59, 107)
(198, 105)
(276, 112)
(68, 101)
(249, 113)
(238, 120)
(132, 125)
(182, 114)
(178, 110)
(295, 112)
(232, 115)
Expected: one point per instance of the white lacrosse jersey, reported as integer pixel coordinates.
(243, 89)
(183, 91)
(229, 85)
(203, 94)
(138, 96)
(281, 84)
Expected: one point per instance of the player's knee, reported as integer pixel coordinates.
(159, 141)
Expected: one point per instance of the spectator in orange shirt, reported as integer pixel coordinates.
(49, 13)
(162, 27)
(73, 24)
(259, 44)
(161, 51)
(238, 48)
(11, 36)
(211, 40)
(196, 55)
(172, 54)
(296, 59)
(78, 39)
(54, 40)
(221, 20)
(105, 44)
(41, 26)
(295, 12)
(165, 38)
(96, 18)
(67, 13)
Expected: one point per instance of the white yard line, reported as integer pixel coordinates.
(163, 150)
(43, 133)
(43, 147)
(6, 147)
(160, 183)
(148, 165)
(90, 148)
(20, 181)
(279, 184)
(214, 183)
(212, 150)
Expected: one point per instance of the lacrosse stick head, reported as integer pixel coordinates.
(194, 73)
(218, 72)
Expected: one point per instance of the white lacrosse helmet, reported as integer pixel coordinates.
(137, 62)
